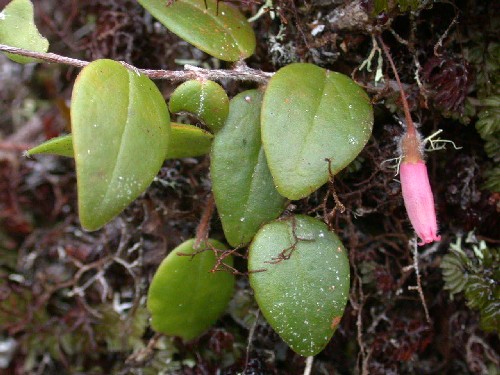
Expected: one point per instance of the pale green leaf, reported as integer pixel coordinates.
(205, 99)
(18, 29)
(121, 131)
(62, 146)
(186, 141)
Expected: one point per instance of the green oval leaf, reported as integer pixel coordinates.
(185, 298)
(62, 146)
(18, 29)
(243, 188)
(120, 134)
(205, 99)
(186, 141)
(303, 297)
(310, 114)
(217, 29)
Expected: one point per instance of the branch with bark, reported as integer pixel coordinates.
(241, 72)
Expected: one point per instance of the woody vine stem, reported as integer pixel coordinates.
(240, 72)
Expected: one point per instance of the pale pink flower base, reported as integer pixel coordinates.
(419, 201)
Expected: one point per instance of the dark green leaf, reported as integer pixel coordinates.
(185, 298)
(310, 114)
(303, 297)
(213, 26)
(242, 184)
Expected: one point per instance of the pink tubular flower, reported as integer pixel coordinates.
(417, 193)
(418, 199)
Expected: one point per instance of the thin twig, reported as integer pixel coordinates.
(421, 87)
(309, 365)
(204, 226)
(439, 43)
(144, 355)
(250, 339)
(418, 287)
(398, 37)
(241, 72)
(47, 57)
(363, 351)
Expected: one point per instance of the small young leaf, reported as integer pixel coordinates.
(303, 285)
(62, 146)
(310, 114)
(18, 29)
(121, 131)
(205, 99)
(186, 141)
(185, 298)
(213, 26)
(242, 184)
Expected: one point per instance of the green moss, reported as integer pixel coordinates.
(380, 6)
(474, 269)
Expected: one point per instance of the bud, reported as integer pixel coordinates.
(418, 199)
